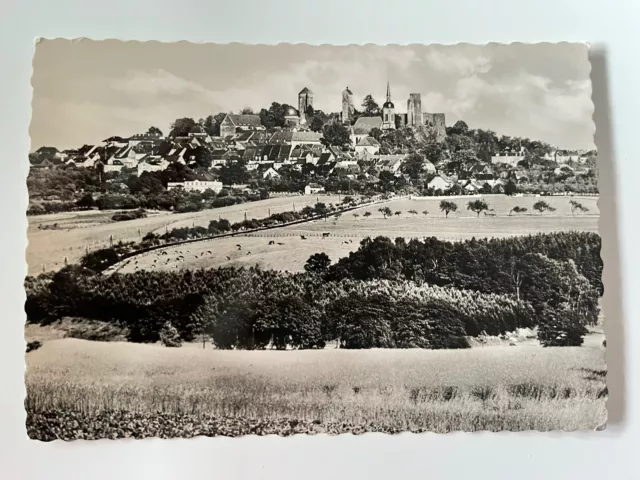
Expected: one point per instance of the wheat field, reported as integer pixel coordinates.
(484, 388)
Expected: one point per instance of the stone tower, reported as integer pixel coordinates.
(414, 110)
(388, 112)
(305, 100)
(347, 105)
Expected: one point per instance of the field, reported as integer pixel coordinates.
(77, 231)
(290, 251)
(122, 389)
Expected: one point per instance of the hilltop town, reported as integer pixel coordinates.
(284, 149)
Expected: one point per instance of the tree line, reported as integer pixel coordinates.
(400, 294)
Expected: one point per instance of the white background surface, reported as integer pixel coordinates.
(611, 27)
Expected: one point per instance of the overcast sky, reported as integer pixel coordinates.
(85, 91)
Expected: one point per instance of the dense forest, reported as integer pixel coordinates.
(428, 294)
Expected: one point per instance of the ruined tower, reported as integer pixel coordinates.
(347, 105)
(414, 110)
(305, 100)
(388, 112)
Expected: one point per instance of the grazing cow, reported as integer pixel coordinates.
(271, 242)
(280, 243)
(228, 258)
(248, 253)
(239, 246)
(209, 252)
(303, 237)
(326, 234)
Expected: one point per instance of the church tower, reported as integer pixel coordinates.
(388, 112)
(347, 105)
(305, 100)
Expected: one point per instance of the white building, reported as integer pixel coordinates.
(196, 185)
(313, 188)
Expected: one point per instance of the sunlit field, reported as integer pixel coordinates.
(77, 231)
(290, 252)
(491, 387)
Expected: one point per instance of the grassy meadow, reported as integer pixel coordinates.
(78, 230)
(483, 388)
(290, 251)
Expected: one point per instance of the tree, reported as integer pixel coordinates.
(385, 211)
(375, 133)
(86, 201)
(477, 206)
(459, 128)
(446, 206)
(487, 144)
(510, 188)
(210, 126)
(321, 209)
(517, 209)
(371, 108)
(542, 206)
(356, 215)
(169, 336)
(335, 134)
(246, 111)
(577, 206)
(413, 165)
(366, 214)
(318, 263)
(154, 131)
(202, 156)
(234, 173)
(316, 124)
(182, 127)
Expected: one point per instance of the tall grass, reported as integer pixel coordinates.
(491, 388)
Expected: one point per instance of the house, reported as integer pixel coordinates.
(196, 185)
(363, 127)
(48, 152)
(429, 168)
(473, 186)
(295, 139)
(115, 141)
(367, 145)
(270, 173)
(231, 124)
(143, 137)
(440, 182)
(390, 163)
(313, 188)
(564, 170)
(152, 163)
(114, 166)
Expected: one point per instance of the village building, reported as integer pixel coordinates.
(362, 128)
(231, 124)
(440, 182)
(152, 163)
(368, 145)
(196, 186)
(313, 188)
(295, 139)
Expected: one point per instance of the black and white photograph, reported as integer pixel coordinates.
(235, 239)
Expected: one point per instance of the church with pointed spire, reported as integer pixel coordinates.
(388, 112)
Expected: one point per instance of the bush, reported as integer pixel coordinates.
(31, 346)
(561, 329)
(124, 216)
(169, 336)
